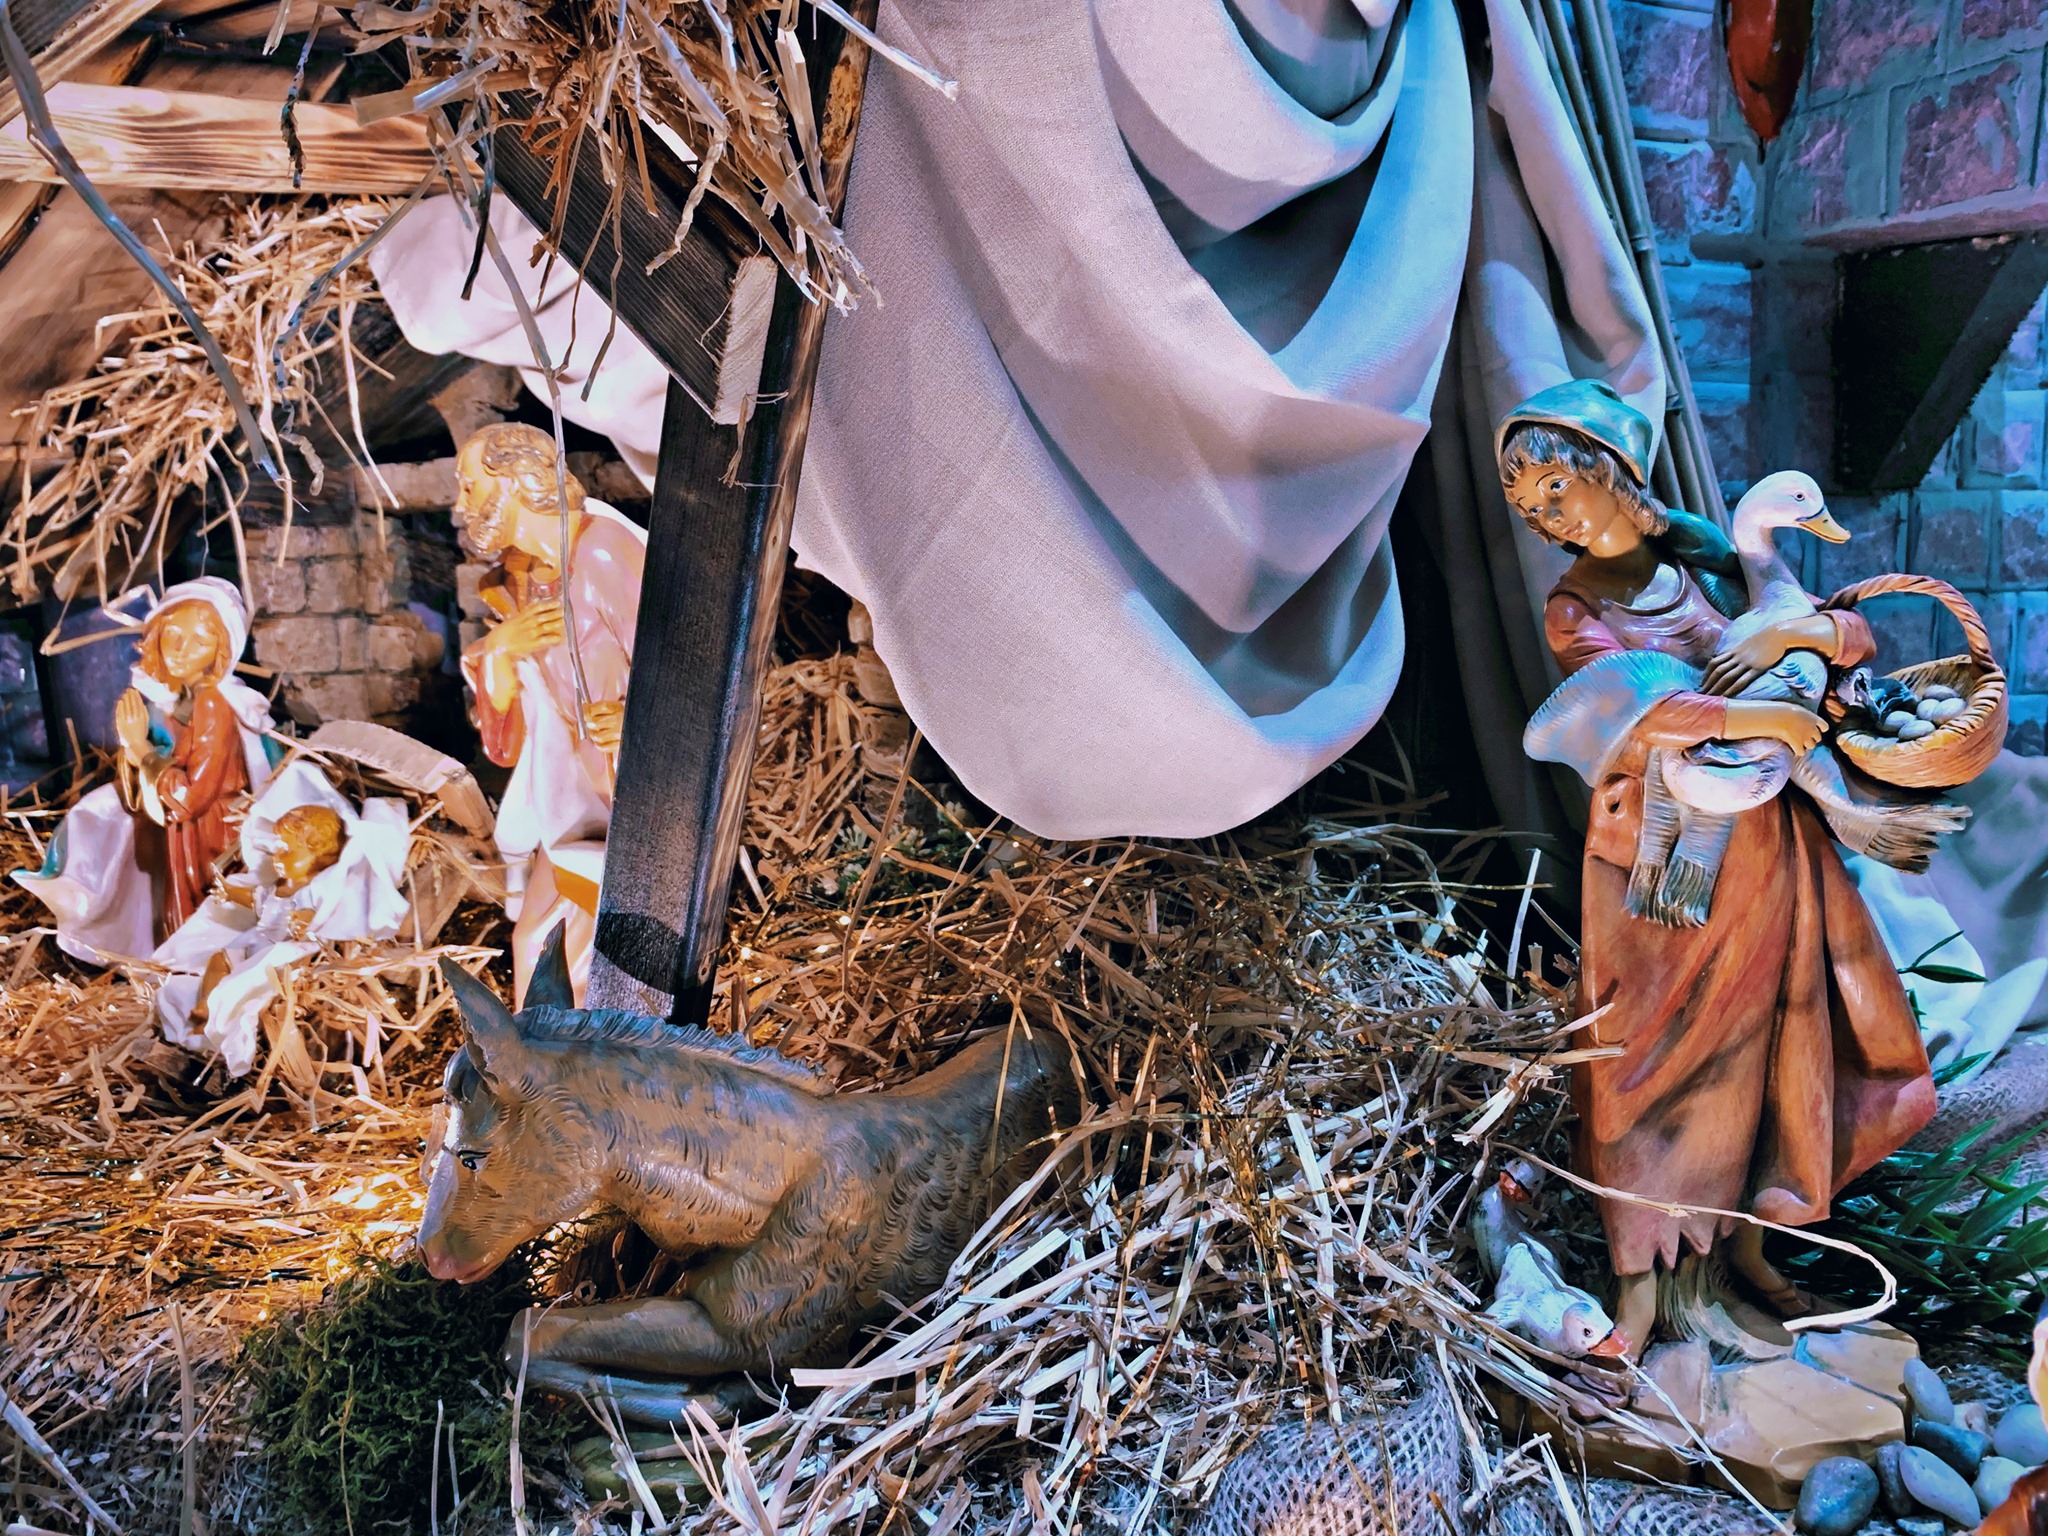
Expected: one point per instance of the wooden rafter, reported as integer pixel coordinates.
(718, 540)
(131, 136)
(1917, 331)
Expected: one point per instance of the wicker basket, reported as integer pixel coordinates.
(1962, 747)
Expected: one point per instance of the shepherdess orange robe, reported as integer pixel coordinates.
(1768, 1057)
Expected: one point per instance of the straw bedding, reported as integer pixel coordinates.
(1297, 1050)
(151, 425)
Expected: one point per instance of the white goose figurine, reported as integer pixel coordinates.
(1532, 1302)
(1691, 798)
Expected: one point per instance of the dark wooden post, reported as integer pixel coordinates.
(717, 542)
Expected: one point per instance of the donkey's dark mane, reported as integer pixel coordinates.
(579, 1026)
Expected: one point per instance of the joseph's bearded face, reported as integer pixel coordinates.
(506, 492)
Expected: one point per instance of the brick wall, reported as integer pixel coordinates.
(337, 617)
(1979, 521)
(1917, 119)
(1701, 172)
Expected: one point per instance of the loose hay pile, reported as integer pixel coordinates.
(152, 423)
(1286, 1035)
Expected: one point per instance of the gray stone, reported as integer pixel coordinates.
(1960, 1448)
(1994, 1481)
(1838, 1495)
(1930, 1399)
(1891, 1482)
(1914, 1525)
(2021, 1437)
(1936, 1485)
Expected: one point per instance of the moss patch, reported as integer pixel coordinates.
(344, 1398)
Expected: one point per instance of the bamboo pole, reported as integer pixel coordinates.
(1587, 69)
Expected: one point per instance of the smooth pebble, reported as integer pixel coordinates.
(2021, 1436)
(1994, 1481)
(1898, 720)
(1936, 1485)
(1961, 1448)
(1897, 1501)
(1913, 730)
(1938, 691)
(1837, 1497)
(1924, 1390)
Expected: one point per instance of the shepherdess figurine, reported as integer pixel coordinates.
(809, 1213)
(1768, 1052)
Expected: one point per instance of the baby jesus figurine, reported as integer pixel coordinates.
(309, 839)
(1767, 1051)
(318, 872)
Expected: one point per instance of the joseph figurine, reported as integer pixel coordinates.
(562, 749)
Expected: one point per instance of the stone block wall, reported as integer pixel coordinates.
(336, 617)
(1917, 120)
(1978, 521)
(1701, 172)
(1915, 115)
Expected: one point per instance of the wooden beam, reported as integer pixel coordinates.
(703, 311)
(20, 203)
(132, 136)
(717, 545)
(1917, 331)
(61, 35)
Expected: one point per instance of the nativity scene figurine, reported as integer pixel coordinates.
(806, 1213)
(549, 678)
(317, 869)
(133, 860)
(1765, 1052)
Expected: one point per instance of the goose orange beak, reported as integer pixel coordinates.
(1822, 525)
(1613, 1347)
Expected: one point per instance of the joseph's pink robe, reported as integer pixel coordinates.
(1770, 1056)
(557, 808)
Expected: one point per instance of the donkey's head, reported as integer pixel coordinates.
(517, 1154)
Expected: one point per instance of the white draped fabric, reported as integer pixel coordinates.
(1166, 298)
(1166, 301)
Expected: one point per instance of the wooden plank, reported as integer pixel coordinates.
(61, 35)
(136, 136)
(682, 309)
(716, 552)
(1917, 332)
(20, 202)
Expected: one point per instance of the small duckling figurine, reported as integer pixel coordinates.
(1500, 1217)
(1533, 1302)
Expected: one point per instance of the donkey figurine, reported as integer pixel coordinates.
(812, 1213)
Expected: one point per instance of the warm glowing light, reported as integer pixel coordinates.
(845, 921)
(135, 1177)
(822, 948)
(366, 1194)
(746, 953)
(1086, 881)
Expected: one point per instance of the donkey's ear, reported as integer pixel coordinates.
(549, 985)
(493, 1035)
